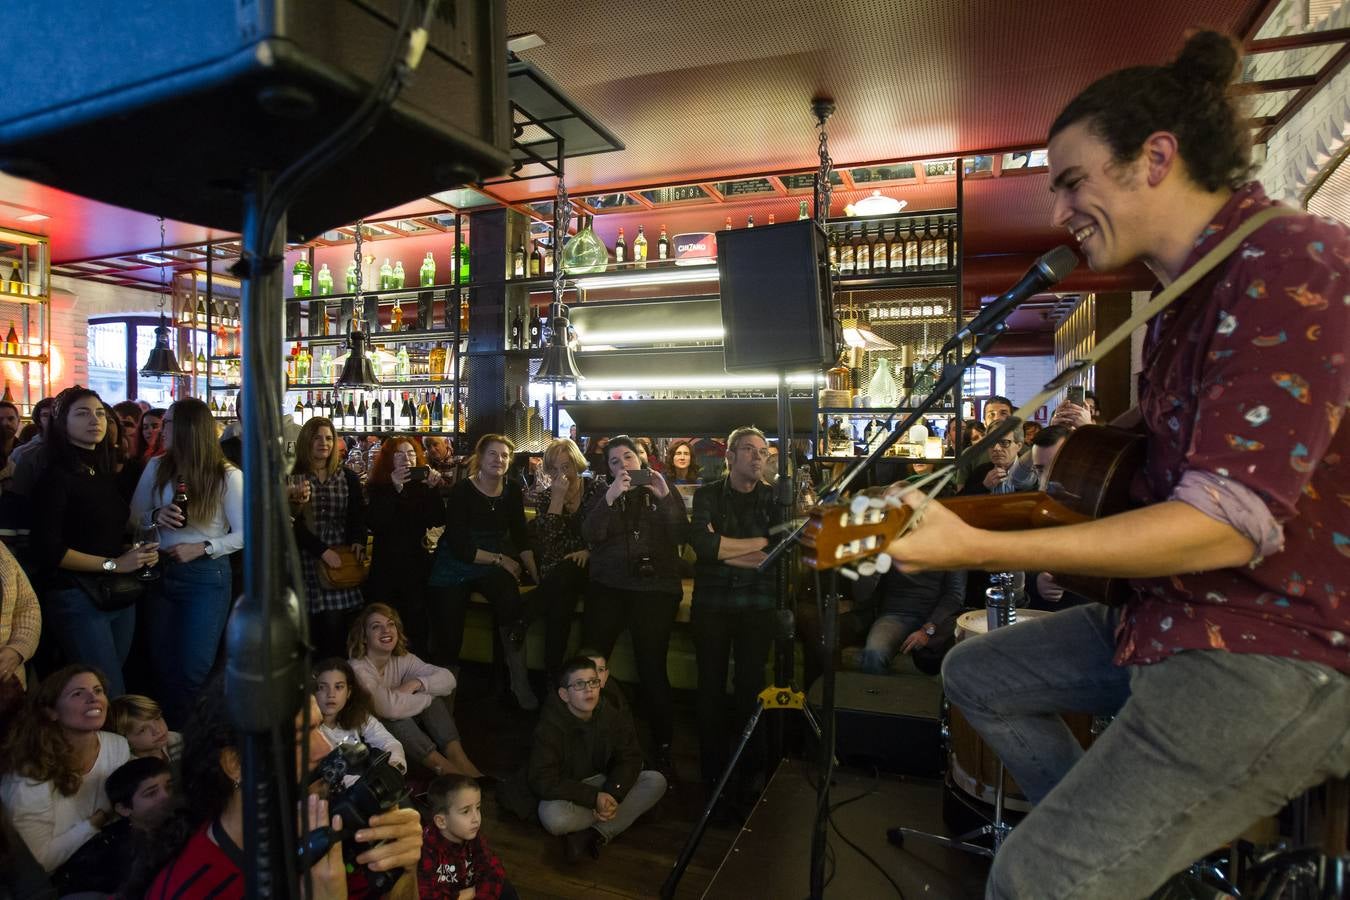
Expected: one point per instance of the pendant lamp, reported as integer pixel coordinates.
(161, 361)
(558, 366)
(357, 371)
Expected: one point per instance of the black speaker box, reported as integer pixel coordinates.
(888, 721)
(775, 298)
(166, 106)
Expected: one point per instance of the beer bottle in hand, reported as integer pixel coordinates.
(180, 500)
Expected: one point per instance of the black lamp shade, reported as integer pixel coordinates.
(161, 360)
(558, 366)
(357, 371)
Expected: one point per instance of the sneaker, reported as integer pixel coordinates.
(579, 844)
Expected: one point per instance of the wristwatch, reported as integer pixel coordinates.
(930, 629)
(110, 565)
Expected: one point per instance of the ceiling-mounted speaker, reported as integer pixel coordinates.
(167, 106)
(776, 305)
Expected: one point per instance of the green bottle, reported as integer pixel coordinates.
(463, 263)
(386, 276)
(301, 278)
(400, 277)
(325, 280)
(427, 274)
(351, 278)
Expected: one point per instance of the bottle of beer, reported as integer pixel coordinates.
(180, 500)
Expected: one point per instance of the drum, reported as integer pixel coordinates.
(972, 765)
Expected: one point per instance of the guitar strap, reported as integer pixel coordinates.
(1221, 251)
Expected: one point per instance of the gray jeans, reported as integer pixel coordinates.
(1202, 745)
(565, 817)
(431, 730)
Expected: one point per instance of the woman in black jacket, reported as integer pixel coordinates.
(329, 513)
(485, 549)
(404, 502)
(635, 532)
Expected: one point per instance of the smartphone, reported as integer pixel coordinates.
(639, 477)
(1077, 394)
(419, 473)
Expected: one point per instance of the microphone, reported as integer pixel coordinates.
(1051, 268)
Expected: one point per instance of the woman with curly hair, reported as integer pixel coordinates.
(680, 465)
(406, 692)
(347, 712)
(55, 762)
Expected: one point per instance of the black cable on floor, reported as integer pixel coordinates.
(876, 781)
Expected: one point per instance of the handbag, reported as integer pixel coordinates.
(112, 591)
(351, 574)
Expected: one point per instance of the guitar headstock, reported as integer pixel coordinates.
(838, 534)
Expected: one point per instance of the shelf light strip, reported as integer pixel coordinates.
(668, 276)
(664, 336)
(695, 382)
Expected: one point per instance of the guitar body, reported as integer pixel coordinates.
(1091, 475)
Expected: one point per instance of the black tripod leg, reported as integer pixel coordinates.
(696, 836)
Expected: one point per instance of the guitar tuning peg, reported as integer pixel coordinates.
(876, 503)
(893, 501)
(883, 563)
(858, 505)
(848, 573)
(867, 568)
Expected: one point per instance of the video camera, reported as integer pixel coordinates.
(378, 788)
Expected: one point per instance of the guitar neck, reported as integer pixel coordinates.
(1012, 512)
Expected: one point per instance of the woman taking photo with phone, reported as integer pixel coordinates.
(190, 602)
(79, 541)
(485, 549)
(330, 515)
(634, 528)
(404, 503)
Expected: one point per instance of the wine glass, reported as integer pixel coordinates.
(147, 534)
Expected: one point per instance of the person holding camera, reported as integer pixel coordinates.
(635, 527)
(404, 500)
(485, 549)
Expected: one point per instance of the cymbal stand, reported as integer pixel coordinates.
(1001, 608)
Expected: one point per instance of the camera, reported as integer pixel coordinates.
(419, 473)
(639, 477)
(378, 788)
(643, 567)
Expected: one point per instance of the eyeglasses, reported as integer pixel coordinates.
(1005, 443)
(580, 685)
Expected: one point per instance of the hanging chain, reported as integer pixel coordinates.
(356, 254)
(823, 176)
(161, 264)
(562, 215)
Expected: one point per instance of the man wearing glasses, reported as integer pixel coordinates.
(733, 604)
(586, 766)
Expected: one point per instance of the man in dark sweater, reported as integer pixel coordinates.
(586, 765)
(915, 614)
(733, 604)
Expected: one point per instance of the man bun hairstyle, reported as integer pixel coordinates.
(1189, 97)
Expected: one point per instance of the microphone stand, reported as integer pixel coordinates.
(950, 379)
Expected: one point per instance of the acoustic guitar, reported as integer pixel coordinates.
(1089, 479)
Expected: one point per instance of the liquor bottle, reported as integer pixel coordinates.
(309, 407)
(201, 362)
(448, 419)
(325, 280)
(351, 277)
(518, 259)
(396, 316)
(201, 306)
(517, 331)
(912, 248)
(9, 396)
(536, 260)
(436, 360)
(301, 278)
(750, 221)
(15, 281)
(388, 416)
(12, 340)
(845, 254)
(620, 248)
(895, 251)
(727, 225)
(362, 414)
(663, 244)
(353, 422)
(326, 366)
(547, 263)
(437, 413)
(400, 277)
(214, 407)
(536, 328)
(375, 414)
(927, 254)
(402, 365)
(515, 417)
(880, 259)
(945, 259)
(770, 218)
(463, 262)
(862, 253)
(423, 416)
(426, 276)
(298, 413)
(640, 249)
(534, 424)
(180, 500)
(801, 211)
(386, 275)
(302, 366)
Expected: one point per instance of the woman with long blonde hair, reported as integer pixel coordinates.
(189, 604)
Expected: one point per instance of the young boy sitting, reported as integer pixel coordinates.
(457, 863)
(140, 720)
(612, 694)
(586, 765)
(141, 792)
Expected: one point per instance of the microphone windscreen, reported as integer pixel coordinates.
(1058, 263)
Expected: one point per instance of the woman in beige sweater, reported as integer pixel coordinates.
(20, 620)
(406, 692)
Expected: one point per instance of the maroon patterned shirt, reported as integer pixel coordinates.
(1246, 379)
(448, 867)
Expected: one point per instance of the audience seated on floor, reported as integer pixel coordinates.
(456, 859)
(347, 712)
(140, 720)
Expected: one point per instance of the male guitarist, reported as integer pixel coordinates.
(1227, 670)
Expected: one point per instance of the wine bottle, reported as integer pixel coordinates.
(663, 244)
(534, 425)
(15, 279)
(845, 254)
(518, 259)
(547, 263)
(640, 249)
(423, 415)
(536, 328)
(180, 500)
(895, 251)
(620, 248)
(927, 246)
(750, 221)
(12, 340)
(436, 413)
(388, 417)
(517, 331)
(362, 414)
(880, 259)
(407, 414)
(912, 248)
(436, 360)
(309, 407)
(801, 211)
(536, 261)
(374, 414)
(515, 417)
(862, 253)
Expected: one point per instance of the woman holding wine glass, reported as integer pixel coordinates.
(194, 500)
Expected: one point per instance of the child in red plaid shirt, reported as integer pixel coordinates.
(457, 863)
